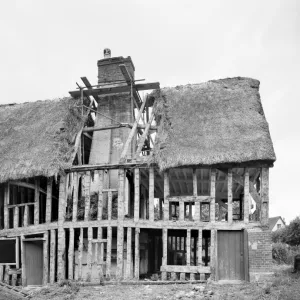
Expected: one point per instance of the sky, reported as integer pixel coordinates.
(46, 46)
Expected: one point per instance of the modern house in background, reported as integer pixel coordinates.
(276, 223)
(106, 185)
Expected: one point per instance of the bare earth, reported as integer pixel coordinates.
(284, 285)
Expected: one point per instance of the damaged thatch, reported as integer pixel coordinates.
(37, 138)
(217, 122)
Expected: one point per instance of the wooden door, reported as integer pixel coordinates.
(231, 255)
(33, 255)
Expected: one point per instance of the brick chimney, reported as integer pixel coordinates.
(107, 145)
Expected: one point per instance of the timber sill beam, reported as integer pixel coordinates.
(139, 126)
(189, 199)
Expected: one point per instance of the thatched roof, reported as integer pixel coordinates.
(218, 122)
(37, 138)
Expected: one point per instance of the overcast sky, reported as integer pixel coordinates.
(46, 46)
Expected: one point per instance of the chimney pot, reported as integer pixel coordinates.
(107, 53)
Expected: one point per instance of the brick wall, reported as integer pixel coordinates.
(260, 250)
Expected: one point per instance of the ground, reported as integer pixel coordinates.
(284, 286)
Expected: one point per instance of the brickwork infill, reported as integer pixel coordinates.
(260, 250)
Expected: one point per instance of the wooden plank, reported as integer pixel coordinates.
(71, 255)
(185, 269)
(100, 195)
(80, 250)
(212, 195)
(52, 255)
(75, 196)
(229, 187)
(49, 199)
(108, 252)
(136, 194)
(132, 132)
(188, 247)
(45, 258)
(246, 196)
(129, 253)
(89, 255)
(37, 201)
(265, 196)
(151, 194)
(6, 203)
(137, 254)
(121, 187)
(199, 248)
(16, 217)
(109, 206)
(87, 199)
(166, 195)
(120, 247)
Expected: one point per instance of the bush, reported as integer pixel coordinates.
(284, 254)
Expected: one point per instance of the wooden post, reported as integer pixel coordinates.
(80, 249)
(25, 218)
(121, 195)
(195, 187)
(120, 247)
(89, 255)
(181, 211)
(6, 203)
(229, 187)
(129, 253)
(71, 255)
(108, 252)
(100, 251)
(87, 199)
(36, 201)
(24, 279)
(45, 258)
(49, 199)
(151, 194)
(199, 248)
(100, 196)
(265, 196)
(246, 196)
(136, 194)
(166, 195)
(188, 247)
(212, 253)
(137, 254)
(1, 273)
(165, 253)
(109, 205)
(16, 217)
(75, 197)
(52, 255)
(213, 195)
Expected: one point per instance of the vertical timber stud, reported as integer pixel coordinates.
(6, 203)
(137, 254)
(128, 260)
(100, 197)
(61, 232)
(199, 248)
(75, 197)
(188, 247)
(213, 195)
(80, 250)
(246, 196)
(36, 201)
(49, 199)
(166, 195)
(71, 253)
(165, 253)
(89, 255)
(45, 258)
(52, 255)
(151, 194)
(87, 199)
(212, 254)
(181, 211)
(109, 205)
(24, 279)
(99, 255)
(25, 219)
(16, 217)
(121, 195)
(265, 196)
(195, 193)
(136, 194)
(229, 188)
(108, 252)
(120, 247)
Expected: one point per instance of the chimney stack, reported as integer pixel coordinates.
(107, 53)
